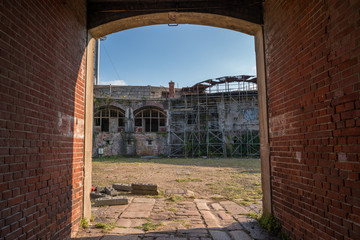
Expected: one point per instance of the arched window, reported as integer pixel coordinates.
(150, 119)
(103, 117)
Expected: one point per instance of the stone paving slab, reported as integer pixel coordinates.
(217, 207)
(233, 208)
(192, 219)
(219, 235)
(240, 235)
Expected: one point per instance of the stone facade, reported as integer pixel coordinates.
(138, 120)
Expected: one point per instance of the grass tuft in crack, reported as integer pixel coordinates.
(106, 227)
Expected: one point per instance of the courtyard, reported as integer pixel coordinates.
(199, 198)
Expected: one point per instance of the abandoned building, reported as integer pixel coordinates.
(308, 88)
(216, 117)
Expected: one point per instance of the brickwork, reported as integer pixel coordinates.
(42, 77)
(313, 64)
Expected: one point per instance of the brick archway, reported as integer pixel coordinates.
(207, 19)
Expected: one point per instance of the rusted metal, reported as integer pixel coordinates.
(202, 86)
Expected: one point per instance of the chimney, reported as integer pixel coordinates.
(171, 89)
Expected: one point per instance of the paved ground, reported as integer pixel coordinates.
(195, 219)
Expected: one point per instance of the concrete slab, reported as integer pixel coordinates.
(210, 220)
(143, 186)
(233, 208)
(240, 235)
(219, 235)
(110, 191)
(217, 207)
(202, 206)
(122, 187)
(128, 214)
(108, 201)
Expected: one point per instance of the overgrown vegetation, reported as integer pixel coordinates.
(272, 225)
(234, 179)
(189, 180)
(106, 227)
(84, 223)
(149, 226)
(175, 198)
(183, 222)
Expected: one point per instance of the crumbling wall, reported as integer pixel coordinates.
(312, 65)
(150, 144)
(127, 140)
(42, 80)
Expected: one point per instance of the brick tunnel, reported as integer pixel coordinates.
(308, 62)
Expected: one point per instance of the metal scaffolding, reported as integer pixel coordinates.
(217, 117)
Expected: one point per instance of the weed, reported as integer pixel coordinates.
(272, 225)
(175, 198)
(84, 223)
(172, 209)
(254, 215)
(106, 227)
(92, 218)
(149, 225)
(183, 222)
(189, 180)
(120, 226)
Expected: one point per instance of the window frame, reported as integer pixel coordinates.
(108, 113)
(147, 117)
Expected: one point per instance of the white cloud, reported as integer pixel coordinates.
(115, 82)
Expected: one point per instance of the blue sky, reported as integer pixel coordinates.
(186, 54)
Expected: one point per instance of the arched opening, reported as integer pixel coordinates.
(209, 20)
(149, 119)
(109, 119)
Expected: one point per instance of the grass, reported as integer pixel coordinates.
(172, 209)
(232, 179)
(272, 225)
(246, 163)
(189, 180)
(84, 223)
(106, 227)
(175, 198)
(149, 226)
(183, 222)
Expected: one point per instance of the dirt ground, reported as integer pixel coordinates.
(234, 179)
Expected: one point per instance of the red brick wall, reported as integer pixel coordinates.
(42, 76)
(313, 65)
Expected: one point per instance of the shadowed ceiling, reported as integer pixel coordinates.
(105, 11)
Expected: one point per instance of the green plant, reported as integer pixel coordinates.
(92, 218)
(97, 102)
(84, 223)
(183, 222)
(189, 180)
(175, 198)
(106, 227)
(272, 225)
(107, 100)
(149, 225)
(172, 209)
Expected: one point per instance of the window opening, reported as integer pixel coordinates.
(150, 120)
(102, 118)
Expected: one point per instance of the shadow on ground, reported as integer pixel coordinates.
(156, 219)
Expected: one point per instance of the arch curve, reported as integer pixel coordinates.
(206, 19)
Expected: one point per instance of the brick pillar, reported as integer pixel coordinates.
(171, 89)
